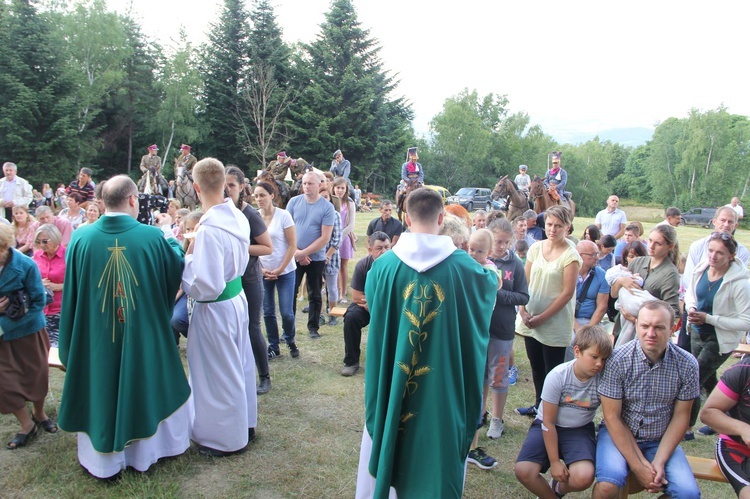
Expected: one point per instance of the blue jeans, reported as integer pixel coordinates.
(179, 321)
(611, 466)
(284, 286)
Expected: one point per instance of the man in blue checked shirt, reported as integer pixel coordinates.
(647, 392)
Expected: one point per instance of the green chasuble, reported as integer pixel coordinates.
(426, 355)
(124, 373)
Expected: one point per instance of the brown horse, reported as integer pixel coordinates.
(282, 194)
(401, 195)
(505, 187)
(544, 198)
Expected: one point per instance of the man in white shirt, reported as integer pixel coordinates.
(673, 217)
(735, 205)
(612, 220)
(15, 190)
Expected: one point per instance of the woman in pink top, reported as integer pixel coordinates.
(50, 258)
(25, 227)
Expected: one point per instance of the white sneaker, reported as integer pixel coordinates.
(496, 428)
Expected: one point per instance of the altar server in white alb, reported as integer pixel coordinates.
(220, 358)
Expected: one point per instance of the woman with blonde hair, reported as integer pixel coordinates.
(546, 322)
(347, 248)
(25, 227)
(92, 214)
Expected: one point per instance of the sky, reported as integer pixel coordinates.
(575, 67)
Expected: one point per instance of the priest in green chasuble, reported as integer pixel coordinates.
(125, 389)
(431, 306)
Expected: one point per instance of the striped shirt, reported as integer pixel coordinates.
(648, 390)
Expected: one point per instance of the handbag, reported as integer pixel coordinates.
(353, 238)
(18, 304)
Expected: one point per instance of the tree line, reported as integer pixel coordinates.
(85, 86)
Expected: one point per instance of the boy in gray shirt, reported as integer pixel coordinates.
(562, 437)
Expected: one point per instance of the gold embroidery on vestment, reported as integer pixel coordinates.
(428, 300)
(118, 281)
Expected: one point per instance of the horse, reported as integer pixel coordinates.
(517, 204)
(152, 183)
(543, 198)
(185, 191)
(283, 195)
(401, 195)
(147, 184)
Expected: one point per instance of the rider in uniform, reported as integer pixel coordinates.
(282, 164)
(185, 159)
(152, 163)
(279, 168)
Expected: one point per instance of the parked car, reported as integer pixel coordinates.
(698, 216)
(472, 197)
(440, 190)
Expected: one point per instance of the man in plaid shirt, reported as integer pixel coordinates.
(647, 391)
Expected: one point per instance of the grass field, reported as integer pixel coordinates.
(308, 434)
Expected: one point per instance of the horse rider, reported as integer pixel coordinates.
(152, 163)
(281, 166)
(523, 180)
(341, 167)
(411, 171)
(185, 159)
(557, 177)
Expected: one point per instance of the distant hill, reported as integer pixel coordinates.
(625, 136)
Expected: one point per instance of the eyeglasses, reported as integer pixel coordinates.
(594, 255)
(41, 242)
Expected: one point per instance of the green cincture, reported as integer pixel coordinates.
(232, 289)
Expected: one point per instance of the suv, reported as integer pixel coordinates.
(472, 197)
(698, 216)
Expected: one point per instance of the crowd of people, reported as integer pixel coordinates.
(443, 294)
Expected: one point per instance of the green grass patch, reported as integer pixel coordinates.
(309, 432)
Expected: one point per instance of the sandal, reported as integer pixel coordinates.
(21, 439)
(47, 425)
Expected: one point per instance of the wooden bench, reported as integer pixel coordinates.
(742, 348)
(54, 359)
(703, 469)
(337, 311)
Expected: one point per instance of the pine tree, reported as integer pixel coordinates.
(347, 100)
(37, 130)
(129, 125)
(267, 93)
(265, 43)
(224, 69)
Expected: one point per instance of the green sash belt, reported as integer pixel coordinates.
(232, 289)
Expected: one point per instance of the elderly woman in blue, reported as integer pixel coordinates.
(24, 344)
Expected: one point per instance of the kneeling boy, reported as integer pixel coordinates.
(562, 437)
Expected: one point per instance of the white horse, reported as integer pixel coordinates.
(146, 184)
(185, 192)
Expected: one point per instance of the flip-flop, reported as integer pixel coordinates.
(21, 439)
(47, 425)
